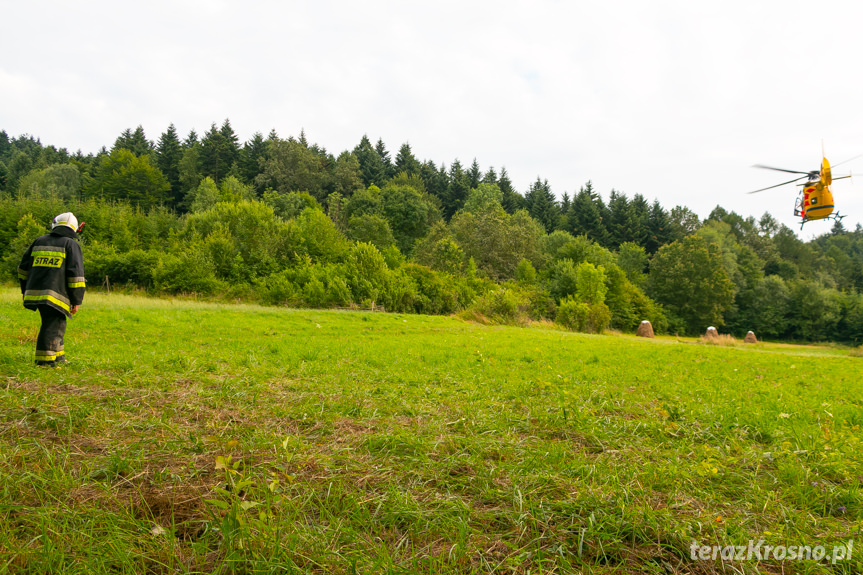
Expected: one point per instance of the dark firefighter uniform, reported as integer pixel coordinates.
(52, 281)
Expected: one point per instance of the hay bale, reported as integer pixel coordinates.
(645, 329)
(711, 333)
(750, 338)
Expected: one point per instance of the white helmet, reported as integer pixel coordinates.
(65, 219)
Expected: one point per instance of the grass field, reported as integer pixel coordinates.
(191, 437)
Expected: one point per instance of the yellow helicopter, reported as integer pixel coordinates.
(815, 200)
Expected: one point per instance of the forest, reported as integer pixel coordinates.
(282, 221)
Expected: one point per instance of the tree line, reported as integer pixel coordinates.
(285, 222)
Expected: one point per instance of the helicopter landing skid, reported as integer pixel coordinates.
(835, 217)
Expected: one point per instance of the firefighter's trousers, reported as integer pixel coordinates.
(49, 344)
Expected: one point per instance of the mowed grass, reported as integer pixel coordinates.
(191, 437)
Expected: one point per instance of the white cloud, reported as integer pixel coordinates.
(673, 100)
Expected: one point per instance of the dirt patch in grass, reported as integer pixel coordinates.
(349, 429)
(181, 509)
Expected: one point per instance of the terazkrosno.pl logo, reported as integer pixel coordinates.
(760, 551)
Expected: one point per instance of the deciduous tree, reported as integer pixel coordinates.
(123, 176)
(289, 166)
(409, 214)
(688, 277)
(59, 181)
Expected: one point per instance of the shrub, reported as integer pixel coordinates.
(401, 294)
(316, 235)
(133, 267)
(598, 317)
(435, 293)
(394, 258)
(98, 258)
(314, 293)
(278, 289)
(28, 230)
(572, 314)
(504, 306)
(338, 293)
(322, 285)
(367, 272)
(255, 231)
(371, 228)
(228, 263)
(563, 279)
(444, 255)
(291, 204)
(525, 272)
(542, 304)
(577, 315)
(590, 283)
(630, 306)
(191, 271)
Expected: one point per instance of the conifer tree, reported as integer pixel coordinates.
(372, 167)
(435, 179)
(490, 176)
(5, 147)
(136, 142)
(512, 200)
(232, 149)
(586, 216)
(381, 149)
(406, 162)
(191, 139)
(474, 175)
(219, 151)
(210, 157)
(565, 203)
(637, 220)
(659, 228)
(457, 190)
(250, 158)
(618, 219)
(169, 152)
(542, 205)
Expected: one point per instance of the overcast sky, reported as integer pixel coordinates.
(674, 100)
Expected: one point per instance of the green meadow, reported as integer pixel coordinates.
(194, 437)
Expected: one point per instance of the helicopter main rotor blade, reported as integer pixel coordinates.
(763, 167)
(848, 160)
(777, 185)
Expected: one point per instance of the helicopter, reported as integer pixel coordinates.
(815, 200)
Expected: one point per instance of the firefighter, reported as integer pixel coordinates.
(52, 281)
